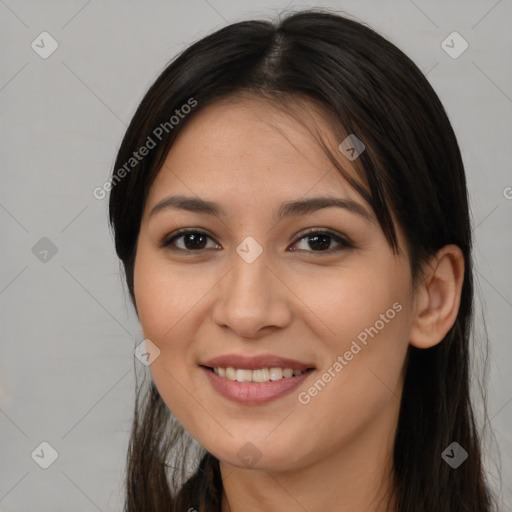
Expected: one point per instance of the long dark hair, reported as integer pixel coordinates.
(412, 166)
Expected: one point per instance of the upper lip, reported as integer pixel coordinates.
(255, 362)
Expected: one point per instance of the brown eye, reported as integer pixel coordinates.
(320, 241)
(188, 240)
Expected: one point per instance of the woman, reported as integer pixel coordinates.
(290, 206)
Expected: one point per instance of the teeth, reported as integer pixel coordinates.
(276, 373)
(230, 373)
(260, 375)
(244, 375)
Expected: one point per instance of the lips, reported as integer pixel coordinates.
(255, 362)
(254, 393)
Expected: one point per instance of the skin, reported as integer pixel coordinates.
(335, 452)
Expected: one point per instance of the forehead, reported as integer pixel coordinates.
(248, 144)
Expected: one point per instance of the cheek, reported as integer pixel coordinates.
(169, 307)
(366, 316)
(368, 301)
(164, 303)
(164, 297)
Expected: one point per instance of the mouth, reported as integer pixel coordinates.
(255, 380)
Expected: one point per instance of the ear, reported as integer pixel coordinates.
(437, 299)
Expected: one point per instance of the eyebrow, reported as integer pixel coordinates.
(300, 207)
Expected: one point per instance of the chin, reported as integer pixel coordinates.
(260, 456)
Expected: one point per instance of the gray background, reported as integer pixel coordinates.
(67, 328)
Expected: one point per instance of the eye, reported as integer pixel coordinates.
(321, 240)
(194, 240)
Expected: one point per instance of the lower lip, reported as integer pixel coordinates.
(252, 393)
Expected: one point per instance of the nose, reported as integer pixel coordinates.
(252, 300)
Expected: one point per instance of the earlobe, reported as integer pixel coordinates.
(437, 298)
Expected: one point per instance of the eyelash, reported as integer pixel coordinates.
(344, 242)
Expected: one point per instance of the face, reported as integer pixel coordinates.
(307, 287)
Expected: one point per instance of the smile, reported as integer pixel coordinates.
(242, 385)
